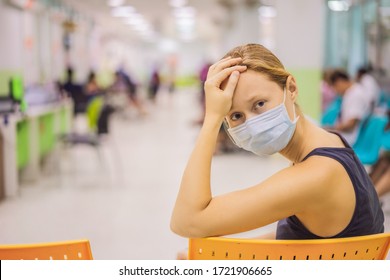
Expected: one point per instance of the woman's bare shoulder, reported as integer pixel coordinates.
(312, 176)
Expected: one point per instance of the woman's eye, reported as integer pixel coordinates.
(259, 104)
(235, 116)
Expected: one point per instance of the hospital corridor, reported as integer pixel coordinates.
(109, 112)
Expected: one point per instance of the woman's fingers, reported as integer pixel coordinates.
(232, 83)
(222, 64)
(224, 74)
(212, 67)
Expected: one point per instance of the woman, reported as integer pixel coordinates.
(324, 193)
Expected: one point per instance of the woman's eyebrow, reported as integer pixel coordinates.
(249, 100)
(253, 98)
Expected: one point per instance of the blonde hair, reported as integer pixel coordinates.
(258, 58)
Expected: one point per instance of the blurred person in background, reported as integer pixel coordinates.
(154, 84)
(370, 85)
(91, 87)
(325, 193)
(75, 92)
(171, 80)
(355, 105)
(123, 82)
(69, 84)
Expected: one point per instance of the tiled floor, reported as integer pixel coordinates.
(122, 199)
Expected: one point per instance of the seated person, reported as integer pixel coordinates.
(370, 85)
(354, 108)
(325, 193)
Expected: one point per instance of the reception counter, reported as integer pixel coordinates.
(29, 137)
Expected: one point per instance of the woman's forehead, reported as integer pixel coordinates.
(251, 82)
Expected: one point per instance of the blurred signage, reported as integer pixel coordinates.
(22, 4)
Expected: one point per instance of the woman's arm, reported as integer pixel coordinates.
(195, 194)
(195, 191)
(291, 191)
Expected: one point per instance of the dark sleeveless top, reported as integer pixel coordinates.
(368, 216)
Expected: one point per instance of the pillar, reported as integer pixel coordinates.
(299, 43)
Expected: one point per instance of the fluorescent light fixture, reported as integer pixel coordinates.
(187, 37)
(185, 21)
(135, 19)
(178, 3)
(185, 12)
(141, 27)
(168, 45)
(148, 35)
(338, 6)
(123, 11)
(267, 12)
(115, 3)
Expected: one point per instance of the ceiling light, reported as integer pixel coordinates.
(123, 11)
(267, 12)
(338, 6)
(184, 12)
(135, 19)
(187, 37)
(177, 3)
(141, 27)
(115, 3)
(168, 45)
(185, 21)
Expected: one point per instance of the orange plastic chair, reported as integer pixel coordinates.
(370, 247)
(68, 250)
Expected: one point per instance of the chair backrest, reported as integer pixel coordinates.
(386, 140)
(68, 250)
(369, 140)
(331, 113)
(370, 247)
(94, 110)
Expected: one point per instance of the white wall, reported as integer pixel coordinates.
(242, 27)
(11, 38)
(32, 44)
(299, 29)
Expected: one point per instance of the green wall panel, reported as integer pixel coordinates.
(309, 98)
(47, 137)
(65, 116)
(22, 144)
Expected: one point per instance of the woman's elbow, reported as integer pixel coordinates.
(187, 229)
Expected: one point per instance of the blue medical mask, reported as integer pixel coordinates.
(267, 133)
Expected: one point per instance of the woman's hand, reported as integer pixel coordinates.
(195, 191)
(219, 99)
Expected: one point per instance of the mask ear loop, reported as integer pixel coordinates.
(226, 127)
(284, 100)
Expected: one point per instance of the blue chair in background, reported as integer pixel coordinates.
(331, 113)
(370, 139)
(386, 140)
(384, 98)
